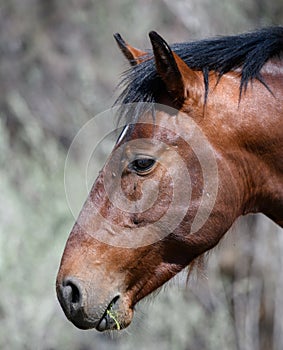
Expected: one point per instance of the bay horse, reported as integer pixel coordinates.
(202, 145)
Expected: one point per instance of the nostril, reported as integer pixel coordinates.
(75, 295)
(71, 295)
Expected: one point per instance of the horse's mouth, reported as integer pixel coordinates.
(86, 310)
(110, 318)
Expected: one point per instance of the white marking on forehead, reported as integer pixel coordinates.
(272, 67)
(123, 134)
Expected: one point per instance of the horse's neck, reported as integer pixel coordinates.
(252, 134)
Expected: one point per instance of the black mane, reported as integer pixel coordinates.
(247, 52)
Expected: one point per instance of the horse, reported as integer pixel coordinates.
(201, 146)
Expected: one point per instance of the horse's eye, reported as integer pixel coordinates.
(142, 165)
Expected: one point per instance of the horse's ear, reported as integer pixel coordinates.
(134, 56)
(178, 78)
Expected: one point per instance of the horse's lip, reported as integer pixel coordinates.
(105, 319)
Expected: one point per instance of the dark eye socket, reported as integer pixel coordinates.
(141, 165)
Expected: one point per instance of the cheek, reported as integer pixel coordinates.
(152, 195)
(132, 187)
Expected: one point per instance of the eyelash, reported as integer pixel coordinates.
(142, 165)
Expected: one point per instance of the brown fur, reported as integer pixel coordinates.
(247, 142)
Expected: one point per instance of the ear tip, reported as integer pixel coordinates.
(154, 36)
(117, 36)
(120, 41)
(158, 42)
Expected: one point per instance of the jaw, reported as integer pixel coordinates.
(103, 295)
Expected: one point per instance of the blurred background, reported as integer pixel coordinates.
(59, 66)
